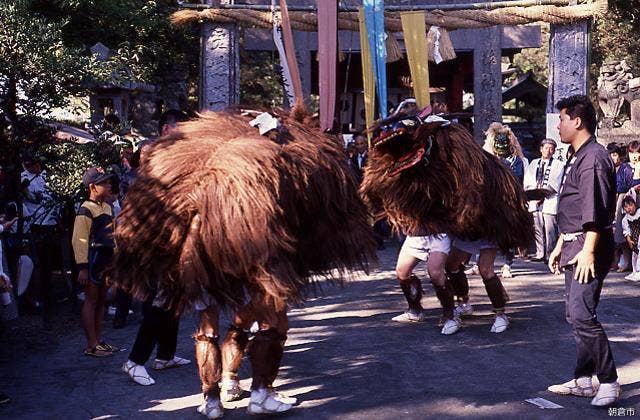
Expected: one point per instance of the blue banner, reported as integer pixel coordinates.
(374, 19)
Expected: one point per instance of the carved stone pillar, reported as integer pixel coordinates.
(219, 65)
(569, 47)
(487, 80)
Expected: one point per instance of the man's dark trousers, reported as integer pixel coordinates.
(594, 353)
(158, 326)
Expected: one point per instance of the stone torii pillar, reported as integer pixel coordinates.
(487, 81)
(568, 62)
(219, 64)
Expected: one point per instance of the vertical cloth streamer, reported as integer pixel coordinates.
(374, 18)
(327, 55)
(290, 49)
(415, 40)
(368, 76)
(284, 65)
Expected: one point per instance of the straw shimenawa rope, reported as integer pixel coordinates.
(451, 20)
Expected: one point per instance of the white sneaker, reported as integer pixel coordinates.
(607, 394)
(137, 373)
(500, 324)
(581, 387)
(451, 326)
(473, 271)
(266, 402)
(506, 272)
(409, 316)
(211, 408)
(463, 309)
(112, 310)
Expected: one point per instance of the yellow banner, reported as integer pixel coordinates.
(368, 81)
(415, 41)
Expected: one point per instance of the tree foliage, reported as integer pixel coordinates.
(38, 70)
(45, 58)
(260, 79)
(66, 162)
(138, 31)
(535, 60)
(615, 37)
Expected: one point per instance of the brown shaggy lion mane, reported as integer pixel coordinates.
(461, 190)
(217, 208)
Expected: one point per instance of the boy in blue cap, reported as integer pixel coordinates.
(93, 246)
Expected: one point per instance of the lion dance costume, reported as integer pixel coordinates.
(223, 217)
(429, 175)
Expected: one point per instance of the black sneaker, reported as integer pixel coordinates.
(4, 398)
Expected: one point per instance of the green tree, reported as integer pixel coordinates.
(38, 71)
(139, 33)
(535, 60)
(615, 36)
(260, 82)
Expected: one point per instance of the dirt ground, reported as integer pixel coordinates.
(346, 359)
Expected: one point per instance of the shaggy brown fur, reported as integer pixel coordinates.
(217, 207)
(461, 189)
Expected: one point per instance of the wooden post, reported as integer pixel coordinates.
(219, 64)
(487, 81)
(455, 90)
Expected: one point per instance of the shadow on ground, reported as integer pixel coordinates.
(346, 359)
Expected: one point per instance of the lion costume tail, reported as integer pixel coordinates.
(218, 208)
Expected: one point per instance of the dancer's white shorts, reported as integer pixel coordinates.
(420, 246)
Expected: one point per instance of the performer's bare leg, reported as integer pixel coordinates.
(495, 290)
(455, 271)
(411, 287)
(233, 347)
(265, 352)
(209, 362)
(444, 291)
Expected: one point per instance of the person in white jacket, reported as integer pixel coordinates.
(544, 174)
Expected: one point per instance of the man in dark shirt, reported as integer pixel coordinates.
(585, 248)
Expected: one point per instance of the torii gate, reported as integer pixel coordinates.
(568, 58)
